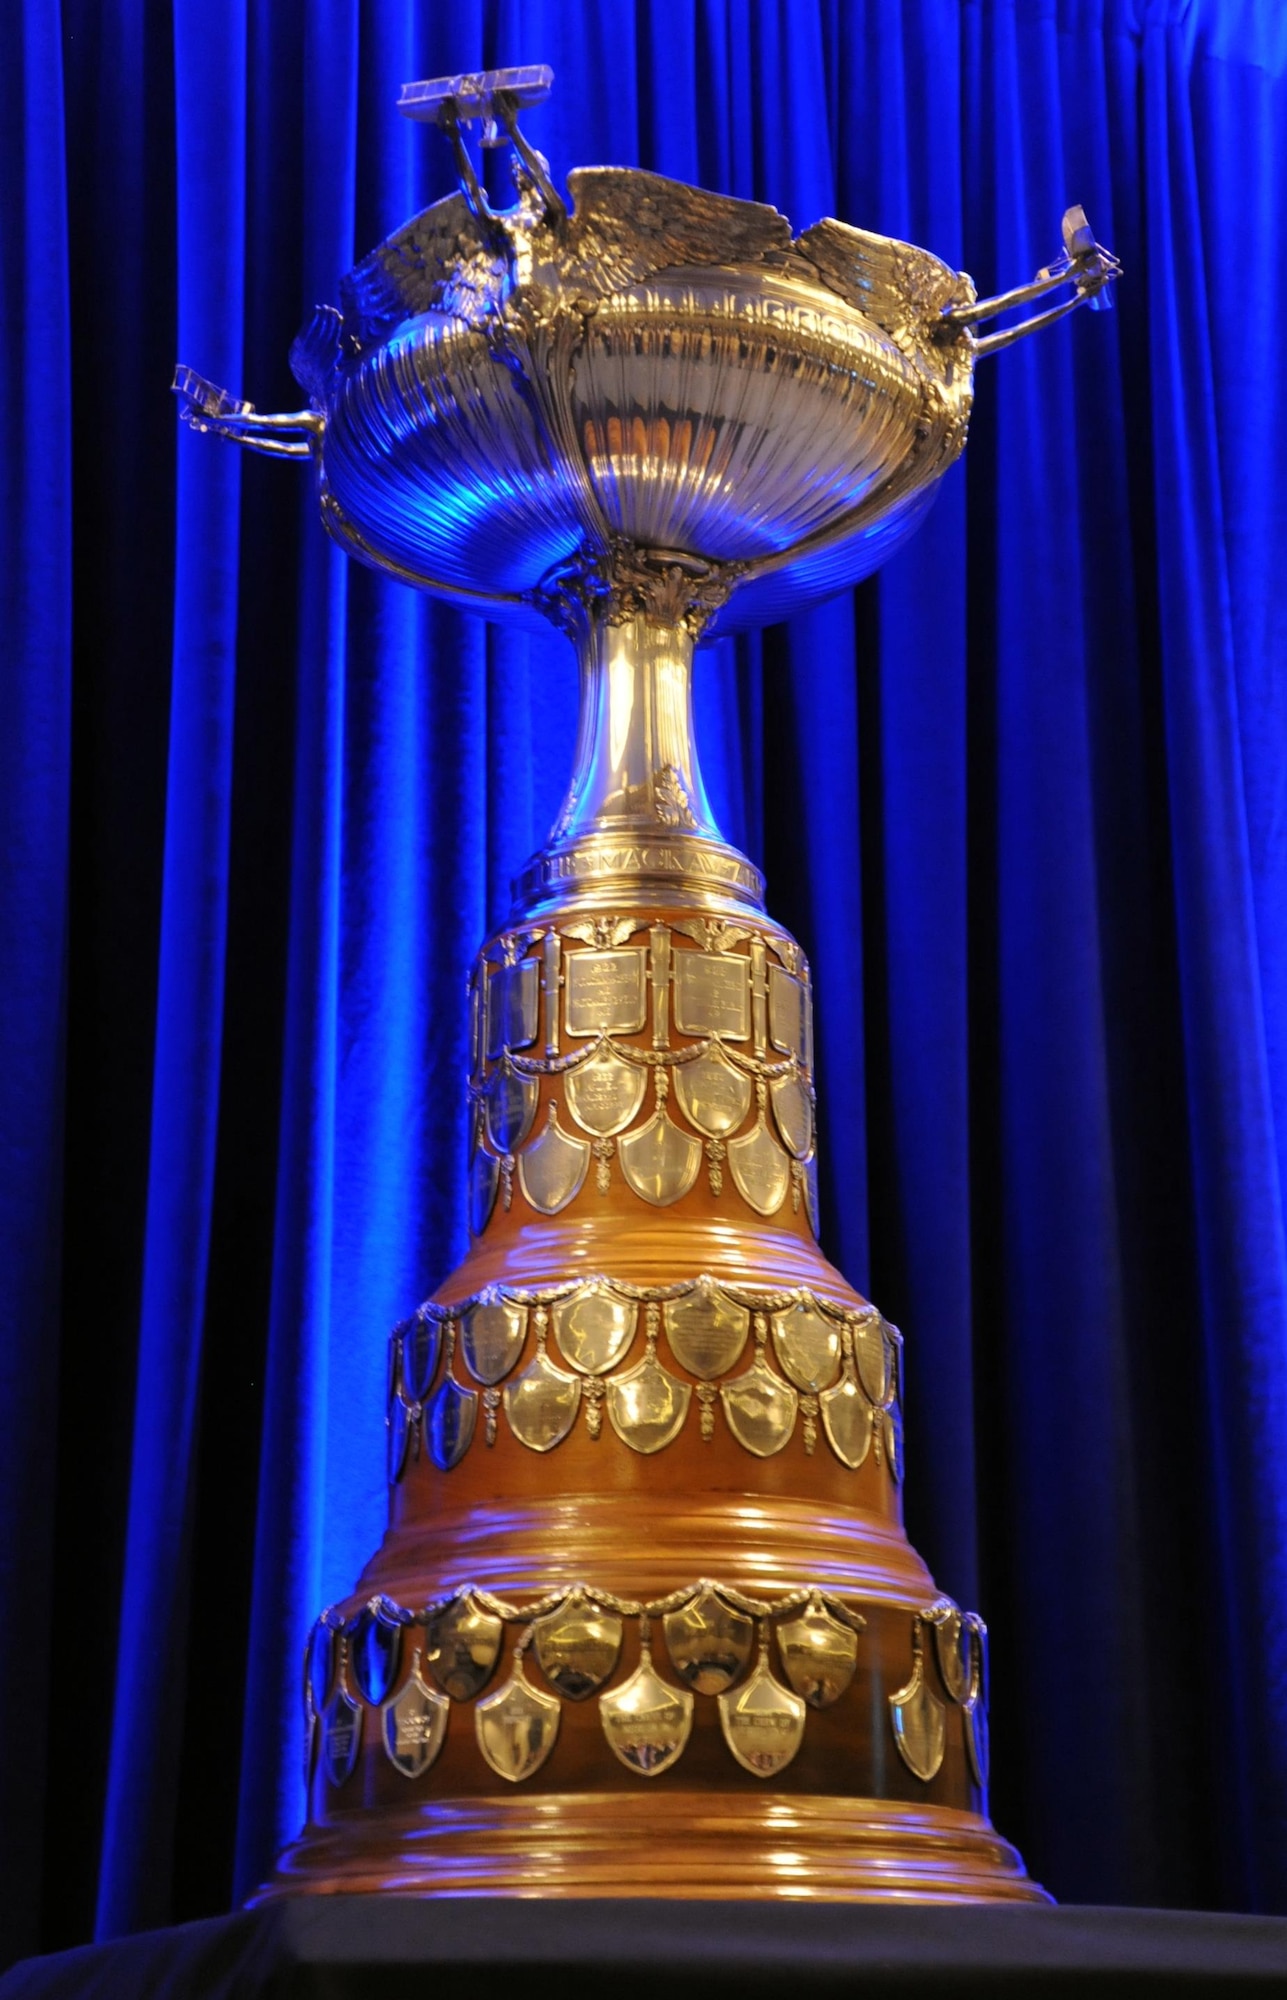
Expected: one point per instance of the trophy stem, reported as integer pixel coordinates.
(636, 822)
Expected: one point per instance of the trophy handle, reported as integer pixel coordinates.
(293, 434)
(496, 96)
(1084, 264)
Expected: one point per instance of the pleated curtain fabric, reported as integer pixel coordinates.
(1023, 797)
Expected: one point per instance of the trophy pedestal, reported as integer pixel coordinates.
(685, 1845)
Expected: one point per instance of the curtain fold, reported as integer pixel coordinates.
(1023, 798)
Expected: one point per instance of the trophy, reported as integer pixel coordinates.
(645, 1620)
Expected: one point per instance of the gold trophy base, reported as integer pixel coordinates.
(693, 1847)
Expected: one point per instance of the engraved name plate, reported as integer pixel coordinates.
(789, 1023)
(513, 992)
(606, 991)
(712, 994)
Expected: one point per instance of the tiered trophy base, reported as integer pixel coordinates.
(690, 1845)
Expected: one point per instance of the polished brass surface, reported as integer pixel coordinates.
(651, 415)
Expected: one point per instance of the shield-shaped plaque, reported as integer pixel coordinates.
(760, 1408)
(414, 1725)
(811, 1195)
(975, 1718)
(594, 1328)
(341, 1736)
(320, 1664)
(492, 1333)
(713, 1095)
(449, 1423)
(510, 1104)
(577, 1647)
(794, 1114)
(516, 1727)
(542, 1403)
(760, 1169)
(712, 994)
(953, 1644)
(808, 1346)
(763, 1722)
(819, 1654)
(646, 1721)
(462, 1645)
(647, 1405)
(513, 992)
(709, 1642)
(605, 1093)
(484, 1179)
(659, 1161)
(707, 1330)
(789, 1023)
(553, 1169)
(420, 1345)
(399, 1426)
(375, 1647)
(871, 1352)
(846, 1418)
(919, 1720)
(893, 1424)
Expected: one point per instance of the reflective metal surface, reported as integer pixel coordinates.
(516, 1727)
(763, 1722)
(919, 1718)
(646, 1721)
(577, 1647)
(414, 1725)
(819, 1654)
(709, 1642)
(462, 1646)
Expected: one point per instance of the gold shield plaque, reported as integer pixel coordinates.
(510, 1104)
(760, 1169)
(604, 1093)
(760, 1408)
(462, 1646)
(846, 1418)
(659, 1161)
(871, 1352)
(808, 1346)
(594, 1328)
(449, 1423)
(341, 1736)
(709, 1642)
(516, 1727)
(605, 991)
(491, 1338)
(953, 1644)
(512, 995)
(553, 1169)
(892, 1423)
(713, 1094)
(484, 1179)
(919, 1719)
(414, 1725)
(646, 1721)
(789, 1023)
(763, 1722)
(399, 1438)
(647, 1405)
(793, 1111)
(707, 1330)
(712, 994)
(542, 1403)
(819, 1654)
(577, 1647)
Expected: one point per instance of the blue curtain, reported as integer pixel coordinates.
(1023, 797)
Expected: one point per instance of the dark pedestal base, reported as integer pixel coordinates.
(345, 1946)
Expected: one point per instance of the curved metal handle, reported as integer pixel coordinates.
(1084, 264)
(496, 96)
(293, 434)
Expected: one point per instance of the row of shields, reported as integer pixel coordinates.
(710, 1634)
(811, 1359)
